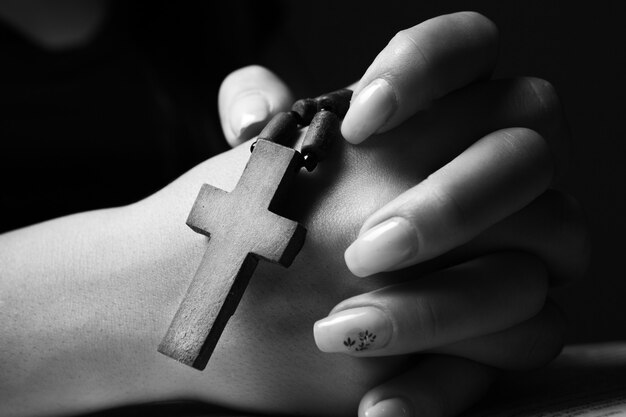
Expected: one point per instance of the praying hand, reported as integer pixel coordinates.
(454, 239)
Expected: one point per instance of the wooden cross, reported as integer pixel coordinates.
(242, 229)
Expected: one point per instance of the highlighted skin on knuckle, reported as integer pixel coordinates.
(405, 43)
(530, 148)
(548, 117)
(521, 140)
(545, 94)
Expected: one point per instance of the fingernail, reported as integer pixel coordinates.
(247, 113)
(382, 247)
(354, 330)
(392, 407)
(368, 111)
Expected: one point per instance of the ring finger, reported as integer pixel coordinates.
(480, 297)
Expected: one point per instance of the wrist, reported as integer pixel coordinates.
(169, 256)
(88, 298)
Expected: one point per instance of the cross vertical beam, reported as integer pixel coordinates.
(241, 230)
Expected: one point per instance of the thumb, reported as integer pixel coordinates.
(247, 99)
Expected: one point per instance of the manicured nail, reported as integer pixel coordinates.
(354, 330)
(393, 407)
(368, 111)
(247, 114)
(382, 247)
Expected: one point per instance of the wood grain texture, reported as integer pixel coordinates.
(337, 102)
(242, 229)
(324, 130)
(305, 109)
(281, 128)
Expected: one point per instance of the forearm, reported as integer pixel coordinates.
(86, 298)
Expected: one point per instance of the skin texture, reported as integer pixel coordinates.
(545, 243)
(87, 298)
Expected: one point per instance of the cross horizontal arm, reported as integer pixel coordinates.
(203, 215)
(278, 239)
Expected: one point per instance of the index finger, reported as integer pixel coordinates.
(419, 65)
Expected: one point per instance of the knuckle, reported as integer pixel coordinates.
(404, 39)
(523, 139)
(548, 116)
(401, 35)
(522, 143)
(406, 43)
(545, 93)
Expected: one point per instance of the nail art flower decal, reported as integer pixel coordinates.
(365, 339)
(353, 330)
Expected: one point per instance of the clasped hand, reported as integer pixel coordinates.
(480, 230)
